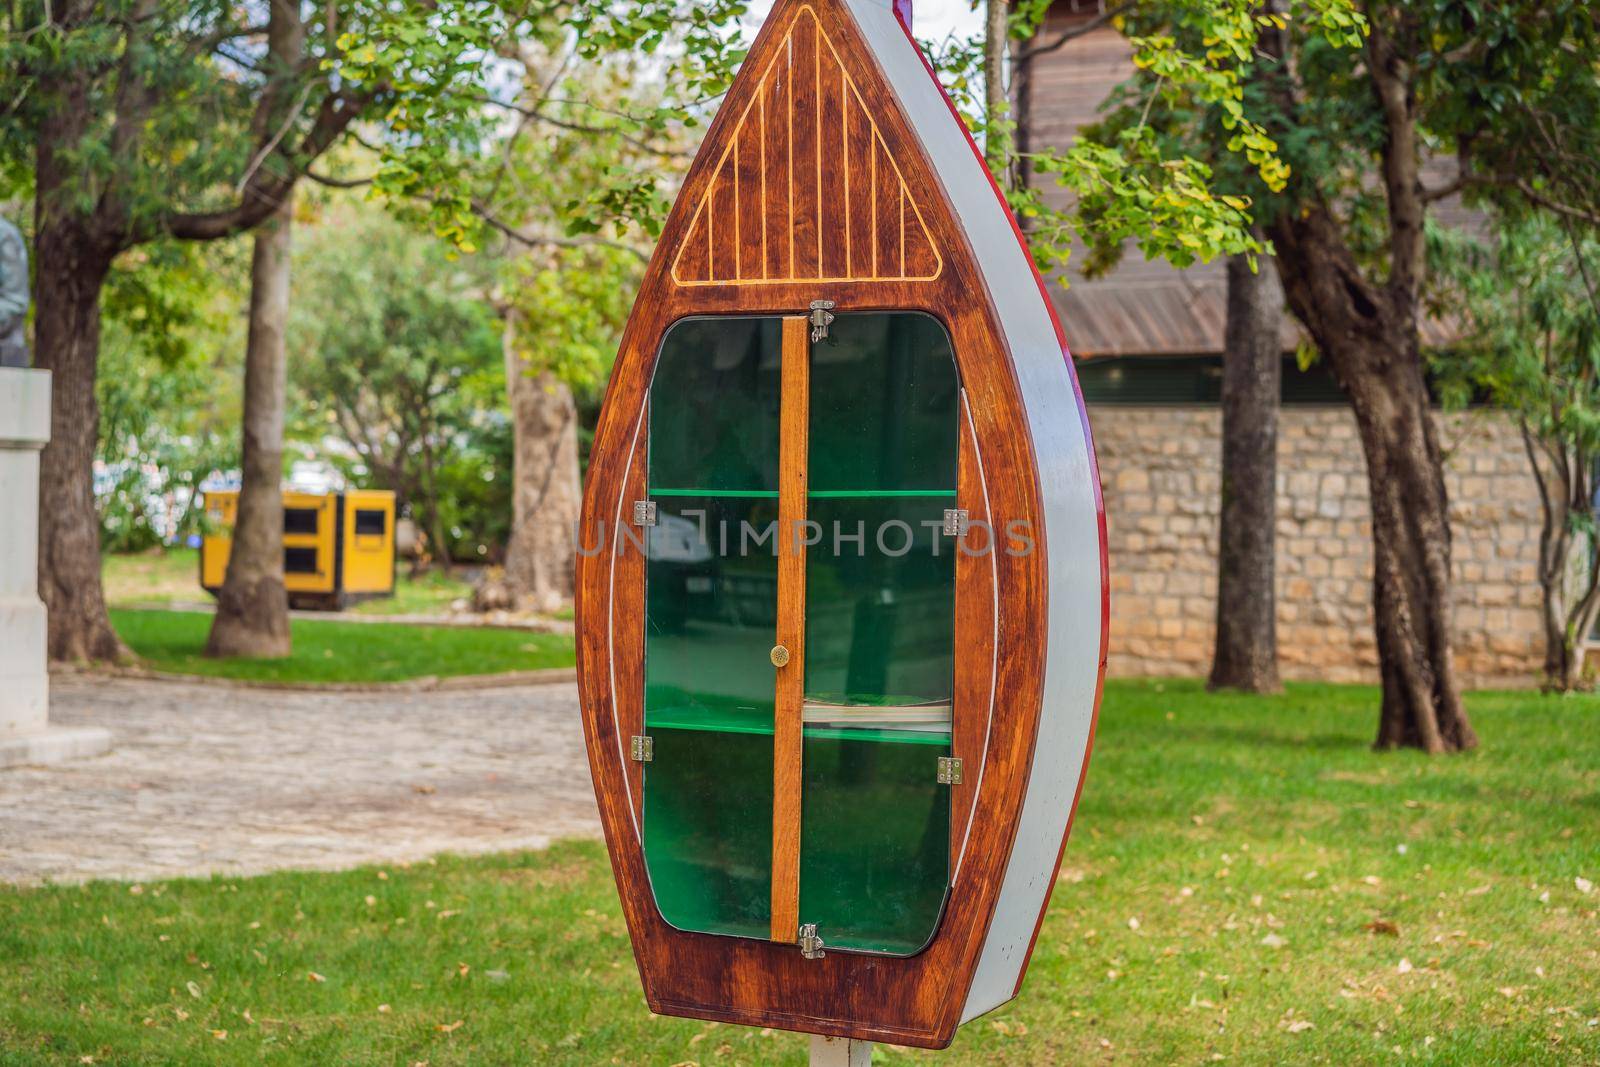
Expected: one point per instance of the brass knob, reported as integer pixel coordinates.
(780, 655)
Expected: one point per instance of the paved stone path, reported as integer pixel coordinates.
(206, 779)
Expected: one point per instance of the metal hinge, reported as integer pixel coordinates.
(949, 770)
(956, 522)
(642, 749)
(810, 943)
(821, 319)
(644, 512)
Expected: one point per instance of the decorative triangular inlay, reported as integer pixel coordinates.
(806, 189)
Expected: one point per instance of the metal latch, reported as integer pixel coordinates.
(810, 943)
(949, 770)
(642, 749)
(821, 319)
(644, 512)
(956, 522)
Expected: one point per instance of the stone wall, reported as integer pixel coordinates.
(1160, 466)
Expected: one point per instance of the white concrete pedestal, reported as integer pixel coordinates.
(26, 735)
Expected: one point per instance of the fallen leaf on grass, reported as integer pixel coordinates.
(1478, 891)
(1300, 1026)
(1382, 926)
(1584, 885)
(1273, 941)
(1404, 966)
(383, 1009)
(194, 990)
(450, 1028)
(220, 1035)
(313, 976)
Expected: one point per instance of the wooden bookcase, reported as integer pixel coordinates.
(841, 586)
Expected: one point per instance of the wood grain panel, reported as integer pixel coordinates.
(778, 217)
(750, 202)
(834, 154)
(973, 709)
(844, 182)
(788, 740)
(805, 155)
(910, 1001)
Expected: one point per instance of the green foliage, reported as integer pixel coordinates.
(1293, 901)
(569, 310)
(1175, 167)
(168, 407)
(1532, 337)
(1531, 345)
(395, 351)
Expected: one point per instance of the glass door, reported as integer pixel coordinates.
(852, 727)
(880, 610)
(709, 616)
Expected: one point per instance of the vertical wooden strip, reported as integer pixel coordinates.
(627, 608)
(807, 172)
(973, 706)
(789, 689)
(776, 216)
(885, 213)
(858, 212)
(747, 164)
(835, 179)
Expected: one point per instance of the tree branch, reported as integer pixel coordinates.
(1401, 180)
(543, 241)
(1083, 29)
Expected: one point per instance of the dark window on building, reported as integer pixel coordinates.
(371, 521)
(299, 520)
(1190, 380)
(300, 561)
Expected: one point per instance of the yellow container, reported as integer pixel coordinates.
(337, 547)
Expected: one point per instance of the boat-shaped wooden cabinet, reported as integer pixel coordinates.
(841, 577)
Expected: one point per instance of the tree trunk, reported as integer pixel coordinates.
(541, 557)
(252, 618)
(996, 41)
(1369, 336)
(72, 267)
(1246, 654)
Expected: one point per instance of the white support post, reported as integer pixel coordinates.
(26, 735)
(840, 1052)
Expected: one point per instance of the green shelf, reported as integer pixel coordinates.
(815, 494)
(735, 721)
(740, 494)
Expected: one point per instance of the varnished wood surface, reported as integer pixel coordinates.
(916, 1000)
(975, 619)
(806, 187)
(788, 742)
(629, 573)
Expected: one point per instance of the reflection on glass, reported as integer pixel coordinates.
(880, 608)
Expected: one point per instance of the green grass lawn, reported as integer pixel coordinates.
(173, 576)
(332, 651)
(1247, 883)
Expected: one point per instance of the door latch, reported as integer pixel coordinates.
(810, 943)
(821, 318)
